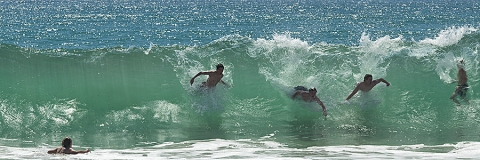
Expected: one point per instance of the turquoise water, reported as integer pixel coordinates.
(114, 76)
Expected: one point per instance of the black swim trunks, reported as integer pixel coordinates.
(302, 88)
(462, 92)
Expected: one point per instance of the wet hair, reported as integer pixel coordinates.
(367, 76)
(220, 66)
(67, 142)
(312, 89)
(461, 64)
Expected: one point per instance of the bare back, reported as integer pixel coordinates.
(64, 150)
(307, 96)
(310, 97)
(462, 77)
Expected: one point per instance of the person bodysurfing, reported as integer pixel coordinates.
(367, 85)
(309, 96)
(66, 148)
(214, 77)
(462, 86)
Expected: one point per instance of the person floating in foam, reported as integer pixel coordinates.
(66, 148)
(462, 87)
(309, 96)
(367, 85)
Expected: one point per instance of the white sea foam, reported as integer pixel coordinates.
(449, 36)
(261, 149)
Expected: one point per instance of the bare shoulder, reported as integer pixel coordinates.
(53, 151)
(359, 84)
(56, 150)
(297, 92)
(378, 80)
(70, 151)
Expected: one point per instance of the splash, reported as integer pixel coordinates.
(449, 36)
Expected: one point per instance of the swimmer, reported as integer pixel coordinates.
(66, 148)
(462, 86)
(309, 96)
(366, 85)
(213, 77)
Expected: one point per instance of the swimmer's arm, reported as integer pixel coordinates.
(198, 74)
(383, 80)
(53, 151)
(84, 151)
(223, 82)
(295, 94)
(323, 106)
(77, 152)
(353, 93)
(193, 79)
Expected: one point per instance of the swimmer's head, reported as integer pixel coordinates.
(312, 89)
(460, 64)
(220, 66)
(67, 142)
(367, 76)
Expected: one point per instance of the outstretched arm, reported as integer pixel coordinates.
(353, 93)
(295, 94)
(77, 152)
(223, 82)
(84, 151)
(53, 151)
(384, 81)
(198, 74)
(323, 106)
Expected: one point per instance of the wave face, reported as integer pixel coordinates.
(121, 95)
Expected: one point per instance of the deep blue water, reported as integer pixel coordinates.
(100, 24)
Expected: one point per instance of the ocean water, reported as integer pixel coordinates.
(114, 76)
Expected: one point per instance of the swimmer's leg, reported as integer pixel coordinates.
(466, 100)
(454, 95)
(463, 95)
